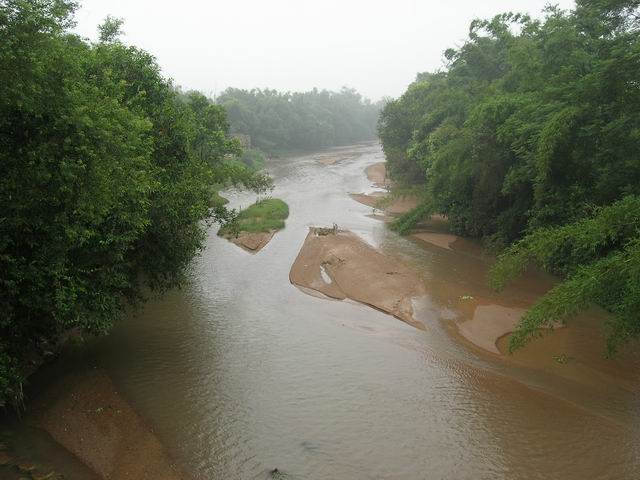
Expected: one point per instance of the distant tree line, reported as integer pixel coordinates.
(530, 139)
(108, 180)
(278, 121)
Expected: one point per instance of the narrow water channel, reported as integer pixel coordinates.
(240, 372)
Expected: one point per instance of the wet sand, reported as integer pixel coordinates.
(444, 240)
(86, 415)
(379, 201)
(342, 265)
(372, 200)
(486, 323)
(389, 205)
(490, 323)
(377, 174)
(252, 242)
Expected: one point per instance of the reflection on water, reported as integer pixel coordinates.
(240, 372)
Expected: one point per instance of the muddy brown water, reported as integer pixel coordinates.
(240, 372)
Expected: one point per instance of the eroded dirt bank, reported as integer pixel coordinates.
(341, 265)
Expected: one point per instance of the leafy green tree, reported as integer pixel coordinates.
(278, 121)
(108, 180)
(599, 258)
(532, 126)
(111, 29)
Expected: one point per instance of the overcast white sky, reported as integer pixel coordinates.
(374, 46)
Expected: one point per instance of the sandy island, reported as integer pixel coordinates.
(252, 242)
(255, 226)
(87, 416)
(341, 265)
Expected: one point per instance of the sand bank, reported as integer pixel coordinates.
(252, 242)
(378, 200)
(444, 240)
(341, 265)
(377, 175)
(85, 414)
(388, 204)
(490, 323)
(372, 200)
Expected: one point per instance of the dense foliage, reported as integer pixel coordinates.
(107, 180)
(600, 258)
(253, 159)
(532, 132)
(278, 121)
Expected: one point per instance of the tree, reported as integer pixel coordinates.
(108, 180)
(110, 29)
(278, 121)
(531, 130)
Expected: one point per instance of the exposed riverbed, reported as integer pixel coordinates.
(241, 372)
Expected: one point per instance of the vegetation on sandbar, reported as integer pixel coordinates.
(263, 216)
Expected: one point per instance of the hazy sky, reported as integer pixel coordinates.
(374, 46)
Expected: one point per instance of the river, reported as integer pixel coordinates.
(240, 372)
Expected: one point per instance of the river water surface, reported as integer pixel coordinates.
(240, 372)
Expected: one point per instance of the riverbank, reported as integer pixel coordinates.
(385, 204)
(79, 426)
(336, 263)
(87, 415)
(484, 320)
(484, 323)
(377, 175)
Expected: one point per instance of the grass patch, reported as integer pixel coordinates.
(263, 216)
(217, 200)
